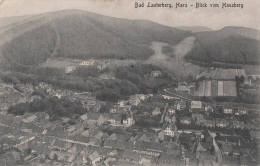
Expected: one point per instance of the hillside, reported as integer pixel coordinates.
(230, 45)
(194, 29)
(80, 34)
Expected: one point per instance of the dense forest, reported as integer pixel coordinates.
(128, 80)
(56, 108)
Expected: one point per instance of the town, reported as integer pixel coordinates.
(196, 123)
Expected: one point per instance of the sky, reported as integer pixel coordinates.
(209, 17)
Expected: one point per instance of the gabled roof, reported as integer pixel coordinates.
(84, 116)
(114, 116)
(144, 138)
(226, 148)
(93, 116)
(185, 118)
(99, 135)
(200, 148)
(116, 136)
(168, 158)
(149, 146)
(94, 155)
(131, 155)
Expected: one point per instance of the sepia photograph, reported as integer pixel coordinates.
(129, 83)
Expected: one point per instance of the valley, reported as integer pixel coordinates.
(79, 88)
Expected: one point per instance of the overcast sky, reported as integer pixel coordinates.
(213, 18)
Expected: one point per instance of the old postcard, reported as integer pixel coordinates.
(129, 82)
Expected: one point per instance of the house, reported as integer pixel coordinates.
(95, 157)
(161, 135)
(30, 119)
(118, 137)
(183, 88)
(72, 129)
(144, 138)
(197, 117)
(156, 73)
(253, 75)
(166, 97)
(122, 103)
(246, 160)
(208, 108)
(131, 157)
(94, 142)
(172, 148)
(58, 145)
(114, 109)
(226, 149)
(196, 104)
(84, 117)
(228, 110)
(166, 159)
(148, 148)
(170, 118)
(86, 133)
(101, 66)
(240, 111)
(99, 135)
(169, 130)
(128, 120)
(236, 152)
(171, 111)
(83, 156)
(199, 150)
(117, 144)
(207, 123)
(35, 98)
(87, 63)
(145, 160)
(221, 123)
(70, 69)
(106, 76)
(113, 153)
(206, 159)
(156, 111)
(180, 105)
(238, 124)
(95, 119)
(185, 120)
(134, 100)
(114, 119)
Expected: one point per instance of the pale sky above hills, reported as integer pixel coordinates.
(213, 18)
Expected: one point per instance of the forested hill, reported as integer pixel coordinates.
(81, 34)
(31, 40)
(234, 45)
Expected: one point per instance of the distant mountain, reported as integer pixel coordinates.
(230, 45)
(80, 34)
(194, 29)
(31, 40)
(242, 31)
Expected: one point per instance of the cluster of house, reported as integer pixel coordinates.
(119, 148)
(49, 89)
(205, 114)
(11, 95)
(114, 119)
(99, 64)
